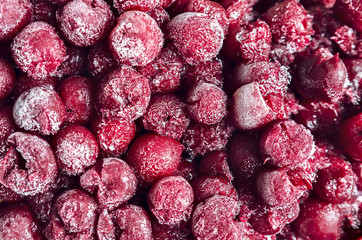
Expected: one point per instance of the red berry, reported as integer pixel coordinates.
(7, 127)
(349, 12)
(41, 110)
(153, 156)
(138, 5)
(7, 78)
(185, 30)
(136, 40)
(38, 50)
(76, 148)
(351, 137)
(84, 22)
(170, 200)
(215, 163)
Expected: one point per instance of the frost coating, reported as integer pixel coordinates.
(136, 40)
(41, 167)
(39, 109)
(38, 50)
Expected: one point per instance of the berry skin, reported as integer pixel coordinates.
(351, 137)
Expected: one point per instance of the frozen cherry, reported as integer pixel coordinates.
(286, 144)
(185, 31)
(164, 72)
(7, 127)
(165, 3)
(250, 42)
(44, 11)
(215, 163)
(336, 183)
(113, 135)
(170, 200)
(123, 93)
(84, 22)
(276, 189)
(39, 109)
(7, 78)
(346, 39)
(237, 10)
(134, 222)
(160, 16)
(290, 24)
(100, 60)
(268, 220)
(40, 169)
(322, 76)
(201, 138)
(208, 72)
(248, 108)
(208, 186)
(113, 180)
(24, 82)
(171, 232)
(153, 156)
(78, 95)
(7, 195)
(213, 219)
(206, 103)
(76, 148)
(166, 116)
(350, 13)
(244, 155)
(357, 169)
(351, 136)
(18, 222)
(138, 5)
(186, 169)
(318, 220)
(136, 40)
(15, 14)
(38, 50)
(77, 211)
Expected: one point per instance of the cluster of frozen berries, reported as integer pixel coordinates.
(180, 119)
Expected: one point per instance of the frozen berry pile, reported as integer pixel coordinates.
(180, 120)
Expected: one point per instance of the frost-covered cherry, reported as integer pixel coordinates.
(41, 110)
(166, 116)
(78, 95)
(15, 14)
(105, 226)
(164, 73)
(112, 180)
(336, 183)
(268, 220)
(318, 220)
(137, 5)
(136, 39)
(171, 199)
(206, 103)
(76, 148)
(18, 222)
(207, 186)
(153, 156)
(185, 31)
(123, 93)
(322, 76)
(133, 222)
(40, 170)
(77, 211)
(290, 24)
(286, 144)
(44, 11)
(249, 109)
(113, 135)
(249, 43)
(7, 78)
(276, 189)
(74, 64)
(84, 22)
(351, 137)
(7, 127)
(214, 219)
(9, 196)
(38, 50)
(160, 15)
